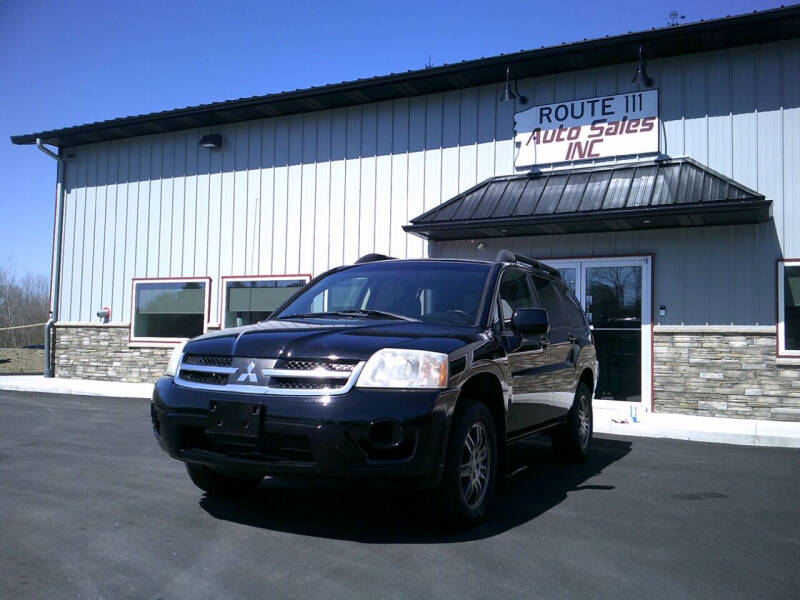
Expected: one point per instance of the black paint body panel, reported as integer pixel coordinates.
(329, 436)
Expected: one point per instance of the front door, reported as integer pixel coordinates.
(530, 357)
(615, 293)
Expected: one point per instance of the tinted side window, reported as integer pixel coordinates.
(514, 293)
(551, 301)
(574, 312)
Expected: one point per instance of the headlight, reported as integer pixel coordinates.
(175, 359)
(393, 368)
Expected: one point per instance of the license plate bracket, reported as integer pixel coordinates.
(235, 418)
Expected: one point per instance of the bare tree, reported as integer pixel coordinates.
(23, 301)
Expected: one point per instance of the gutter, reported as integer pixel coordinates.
(55, 271)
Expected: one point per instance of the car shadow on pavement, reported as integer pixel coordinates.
(534, 481)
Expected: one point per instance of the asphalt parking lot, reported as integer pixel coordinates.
(91, 508)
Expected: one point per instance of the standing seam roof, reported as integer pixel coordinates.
(623, 195)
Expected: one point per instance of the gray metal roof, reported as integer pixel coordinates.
(753, 28)
(644, 195)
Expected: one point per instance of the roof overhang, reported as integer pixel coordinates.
(620, 197)
(716, 34)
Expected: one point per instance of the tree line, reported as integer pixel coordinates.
(23, 301)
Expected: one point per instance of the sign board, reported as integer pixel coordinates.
(589, 128)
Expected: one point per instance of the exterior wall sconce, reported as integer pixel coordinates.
(641, 76)
(508, 93)
(211, 141)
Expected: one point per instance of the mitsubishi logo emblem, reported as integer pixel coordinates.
(249, 376)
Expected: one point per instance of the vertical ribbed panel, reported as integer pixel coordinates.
(309, 192)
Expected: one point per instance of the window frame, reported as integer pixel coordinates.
(223, 303)
(559, 300)
(568, 297)
(496, 302)
(780, 330)
(166, 342)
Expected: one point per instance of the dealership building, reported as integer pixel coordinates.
(659, 171)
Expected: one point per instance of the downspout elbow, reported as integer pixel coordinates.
(46, 150)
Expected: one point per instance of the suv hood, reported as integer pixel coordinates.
(310, 338)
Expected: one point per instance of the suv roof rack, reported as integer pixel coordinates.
(368, 258)
(511, 257)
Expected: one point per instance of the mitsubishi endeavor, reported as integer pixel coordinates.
(411, 371)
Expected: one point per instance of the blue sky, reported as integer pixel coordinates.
(67, 63)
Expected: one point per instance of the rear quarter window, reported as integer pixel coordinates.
(550, 297)
(574, 313)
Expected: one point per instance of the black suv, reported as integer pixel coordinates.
(416, 371)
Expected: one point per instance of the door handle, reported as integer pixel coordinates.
(571, 337)
(544, 341)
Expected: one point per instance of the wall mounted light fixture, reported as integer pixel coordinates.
(508, 93)
(211, 141)
(641, 76)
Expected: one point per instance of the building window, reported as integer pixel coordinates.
(247, 300)
(789, 308)
(168, 310)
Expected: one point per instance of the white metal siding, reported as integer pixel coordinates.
(304, 193)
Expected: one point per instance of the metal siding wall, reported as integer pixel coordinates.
(398, 181)
(323, 195)
(309, 192)
(790, 131)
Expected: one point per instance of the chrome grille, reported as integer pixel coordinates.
(268, 375)
(292, 383)
(202, 377)
(207, 361)
(310, 365)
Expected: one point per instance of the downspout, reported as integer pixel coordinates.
(55, 278)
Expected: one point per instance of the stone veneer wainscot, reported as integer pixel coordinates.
(708, 371)
(723, 372)
(101, 351)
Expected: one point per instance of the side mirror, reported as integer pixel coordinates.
(530, 321)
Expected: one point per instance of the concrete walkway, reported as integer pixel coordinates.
(748, 432)
(81, 387)
(608, 419)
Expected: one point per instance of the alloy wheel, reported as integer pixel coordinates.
(475, 463)
(584, 421)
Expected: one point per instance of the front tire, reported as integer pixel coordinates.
(217, 484)
(573, 440)
(470, 474)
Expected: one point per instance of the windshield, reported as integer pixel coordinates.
(437, 292)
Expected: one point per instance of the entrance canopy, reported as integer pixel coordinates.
(644, 195)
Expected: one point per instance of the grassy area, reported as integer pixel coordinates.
(21, 360)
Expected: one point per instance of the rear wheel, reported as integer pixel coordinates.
(218, 484)
(573, 440)
(470, 474)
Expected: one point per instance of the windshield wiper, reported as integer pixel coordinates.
(368, 312)
(349, 314)
(305, 315)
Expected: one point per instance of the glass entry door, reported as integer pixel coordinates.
(615, 293)
(613, 301)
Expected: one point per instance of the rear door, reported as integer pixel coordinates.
(558, 344)
(579, 336)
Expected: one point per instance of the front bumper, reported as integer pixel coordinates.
(363, 434)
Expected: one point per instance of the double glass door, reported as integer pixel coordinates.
(615, 293)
